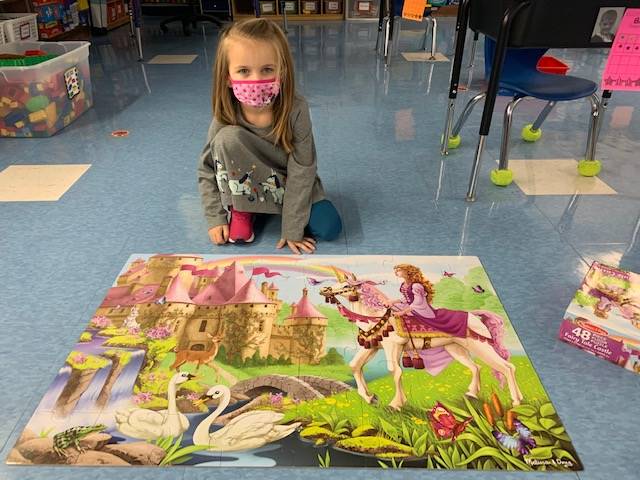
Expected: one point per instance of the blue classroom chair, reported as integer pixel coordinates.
(519, 79)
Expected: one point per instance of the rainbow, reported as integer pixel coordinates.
(282, 262)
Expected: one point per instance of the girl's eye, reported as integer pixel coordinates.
(243, 71)
(268, 70)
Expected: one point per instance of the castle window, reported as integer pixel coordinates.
(261, 326)
(203, 326)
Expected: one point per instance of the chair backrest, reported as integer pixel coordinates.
(518, 62)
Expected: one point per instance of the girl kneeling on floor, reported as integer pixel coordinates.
(260, 155)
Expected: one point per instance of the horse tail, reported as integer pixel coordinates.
(495, 325)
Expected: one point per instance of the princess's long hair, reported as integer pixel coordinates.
(224, 101)
(415, 275)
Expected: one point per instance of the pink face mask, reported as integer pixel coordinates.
(256, 93)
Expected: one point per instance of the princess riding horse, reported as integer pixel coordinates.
(366, 306)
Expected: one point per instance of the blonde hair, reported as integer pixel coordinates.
(225, 103)
(415, 275)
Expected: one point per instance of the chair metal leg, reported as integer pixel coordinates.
(466, 112)
(475, 170)
(381, 17)
(387, 33)
(543, 116)
(426, 34)
(592, 137)
(395, 41)
(510, 15)
(474, 45)
(448, 122)
(462, 21)
(434, 36)
(506, 131)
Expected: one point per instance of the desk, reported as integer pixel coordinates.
(521, 24)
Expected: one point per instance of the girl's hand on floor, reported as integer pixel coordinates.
(307, 245)
(219, 235)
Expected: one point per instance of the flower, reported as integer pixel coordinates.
(193, 396)
(100, 321)
(418, 421)
(79, 358)
(142, 397)
(134, 330)
(276, 399)
(159, 333)
(330, 401)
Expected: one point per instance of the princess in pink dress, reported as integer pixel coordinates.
(417, 294)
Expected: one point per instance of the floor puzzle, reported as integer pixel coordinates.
(316, 361)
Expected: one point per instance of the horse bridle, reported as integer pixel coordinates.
(351, 291)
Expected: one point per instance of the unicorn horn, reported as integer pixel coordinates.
(339, 275)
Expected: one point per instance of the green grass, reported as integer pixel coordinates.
(423, 391)
(88, 362)
(125, 341)
(207, 375)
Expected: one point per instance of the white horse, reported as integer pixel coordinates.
(274, 187)
(242, 186)
(221, 175)
(365, 305)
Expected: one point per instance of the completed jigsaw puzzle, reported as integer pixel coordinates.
(320, 361)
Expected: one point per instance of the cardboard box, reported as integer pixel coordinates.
(604, 316)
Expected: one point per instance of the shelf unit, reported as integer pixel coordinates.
(322, 9)
(109, 14)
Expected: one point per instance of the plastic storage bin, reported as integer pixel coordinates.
(20, 27)
(40, 100)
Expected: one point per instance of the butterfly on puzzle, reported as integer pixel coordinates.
(72, 82)
(445, 424)
(522, 441)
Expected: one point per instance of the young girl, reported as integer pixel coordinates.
(417, 293)
(260, 155)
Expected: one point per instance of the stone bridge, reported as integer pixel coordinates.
(304, 388)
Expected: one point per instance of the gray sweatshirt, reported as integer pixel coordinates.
(241, 166)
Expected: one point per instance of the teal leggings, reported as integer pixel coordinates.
(324, 221)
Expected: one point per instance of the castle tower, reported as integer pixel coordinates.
(248, 320)
(269, 290)
(308, 330)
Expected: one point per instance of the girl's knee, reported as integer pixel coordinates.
(324, 222)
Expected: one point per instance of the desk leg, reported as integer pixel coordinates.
(461, 35)
(492, 92)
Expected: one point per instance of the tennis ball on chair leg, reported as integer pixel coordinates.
(454, 142)
(501, 178)
(589, 168)
(531, 135)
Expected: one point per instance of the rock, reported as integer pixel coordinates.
(39, 450)
(137, 453)
(16, 458)
(26, 436)
(363, 430)
(94, 441)
(93, 457)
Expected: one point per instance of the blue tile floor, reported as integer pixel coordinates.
(377, 136)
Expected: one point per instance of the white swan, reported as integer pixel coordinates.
(247, 431)
(150, 424)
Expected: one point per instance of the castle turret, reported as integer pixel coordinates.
(308, 330)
